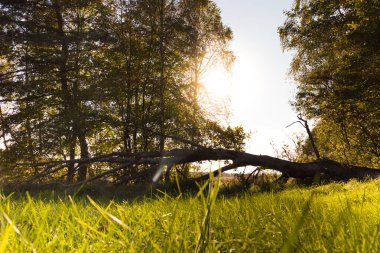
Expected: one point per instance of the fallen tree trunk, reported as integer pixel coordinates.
(161, 161)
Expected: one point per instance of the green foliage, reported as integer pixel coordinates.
(224, 137)
(333, 142)
(336, 66)
(339, 217)
(88, 77)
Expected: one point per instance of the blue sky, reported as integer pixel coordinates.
(260, 89)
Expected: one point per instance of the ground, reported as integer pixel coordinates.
(338, 217)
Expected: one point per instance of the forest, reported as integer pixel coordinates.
(86, 78)
(108, 93)
(92, 84)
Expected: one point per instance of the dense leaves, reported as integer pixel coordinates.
(80, 78)
(336, 66)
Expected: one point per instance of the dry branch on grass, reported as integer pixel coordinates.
(161, 161)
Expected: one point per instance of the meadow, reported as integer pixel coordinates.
(338, 217)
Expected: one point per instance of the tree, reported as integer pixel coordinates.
(208, 44)
(155, 163)
(49, 87)
(336, 61)
(82, 78)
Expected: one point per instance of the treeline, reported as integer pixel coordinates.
(337, 68)
(81, 78)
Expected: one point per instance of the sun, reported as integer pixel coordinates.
(217, 83)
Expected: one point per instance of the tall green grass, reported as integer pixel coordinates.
(331, 218)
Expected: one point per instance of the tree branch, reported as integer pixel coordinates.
(331, 169)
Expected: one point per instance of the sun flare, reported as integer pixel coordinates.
(217, 83)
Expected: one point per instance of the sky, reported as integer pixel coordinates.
(259, 87)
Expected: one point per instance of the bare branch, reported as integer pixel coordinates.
(311, 138)
(173, 157)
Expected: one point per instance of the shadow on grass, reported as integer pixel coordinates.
(104, 191)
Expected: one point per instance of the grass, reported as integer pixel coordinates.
(336, 217)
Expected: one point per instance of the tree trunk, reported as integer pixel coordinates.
(3, 129)
(127, 123)
(84, 154)
(136, 120)
(327, 168)
(162, 75)
(71, 166)
(66, 94)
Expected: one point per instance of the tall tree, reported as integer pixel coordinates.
(53, 46)
(81, 78)
(208, 44)
(336, 65)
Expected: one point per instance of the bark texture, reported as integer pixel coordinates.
(154, 164)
